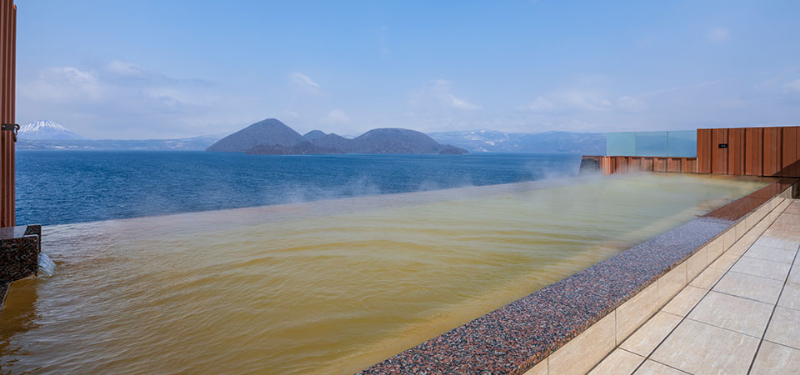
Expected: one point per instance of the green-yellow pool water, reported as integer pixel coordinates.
(322, 287)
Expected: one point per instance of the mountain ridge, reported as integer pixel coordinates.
(473, 141)
(272, 137)
(544, 142)
(174, 144)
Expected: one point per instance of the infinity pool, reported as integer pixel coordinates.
(323, 287)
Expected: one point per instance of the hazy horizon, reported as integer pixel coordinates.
(222, 135)
(117, 70)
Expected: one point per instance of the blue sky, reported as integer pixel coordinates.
(160, 69)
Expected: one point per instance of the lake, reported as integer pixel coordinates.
(59, 187)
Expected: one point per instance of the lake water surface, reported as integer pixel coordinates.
(59, 187)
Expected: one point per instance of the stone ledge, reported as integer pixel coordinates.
(19, 255)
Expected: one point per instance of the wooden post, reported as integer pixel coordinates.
(8, 34)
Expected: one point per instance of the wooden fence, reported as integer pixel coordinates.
(625, 164)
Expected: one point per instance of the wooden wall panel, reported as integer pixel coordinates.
(690, 165)
(647, 164)
(619, 165)
(772, 151)
(751, 151)
(719, 156)
(660, 164)
(736, 151)
(790, 142)
(754, 154)
(703, 150)
(635, 164)
(608, 165)
(674, 165)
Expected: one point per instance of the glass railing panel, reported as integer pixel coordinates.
(683, 144)
(652, 144)
(621, 144)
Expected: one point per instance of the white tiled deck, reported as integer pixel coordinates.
(739, 316)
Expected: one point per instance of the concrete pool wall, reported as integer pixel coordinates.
(570, 326)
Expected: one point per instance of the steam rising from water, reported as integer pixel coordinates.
(90, 186)
(297, 193)
(323, 287)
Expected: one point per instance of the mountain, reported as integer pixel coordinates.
(178, 144)
(395, 141)
(46, 129)
(272, 137)
(336, 142)
(48, 135)
(302, 148)
(547, 142)
(452, 150)
(270, 132)
(314, 135)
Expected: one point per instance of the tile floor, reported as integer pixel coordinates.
(741, 315)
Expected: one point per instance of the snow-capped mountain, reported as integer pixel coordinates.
(45, 129)
(496, 141)
(178, 144)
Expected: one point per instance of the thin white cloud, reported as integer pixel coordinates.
(301, 79)
(438, 93)
(586, 101)
(338, 115)
(574, 101)
(793, 85)
(631, 104)
(101, 101)
(698, 86)
(463, 104)
(540, 104)
(718, 35)
(68, 84)
(125, 69)
(570, 101)
(63, 84)
(726, 103)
